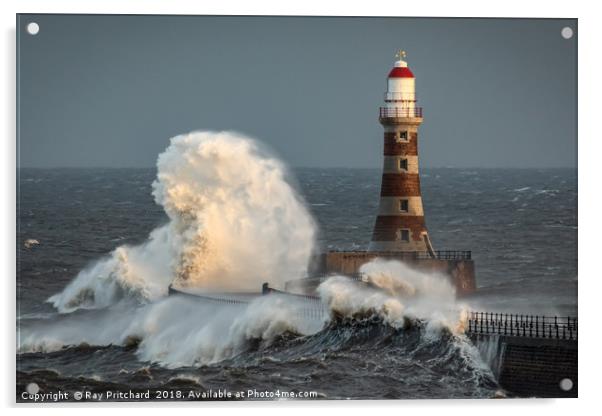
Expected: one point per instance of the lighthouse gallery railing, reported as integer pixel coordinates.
(400, 112)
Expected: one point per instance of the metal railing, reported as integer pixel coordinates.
(386, 112)
(453, 254)
(533, 326)
(420, 255)
(266, 290)
(321, 277)
(208, 297)
(486, 323)
(308, 306)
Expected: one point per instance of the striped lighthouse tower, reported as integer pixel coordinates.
(400, 224)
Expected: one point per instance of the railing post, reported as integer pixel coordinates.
(522, 320)
(543, 327)
(497, 323)
(486, 323)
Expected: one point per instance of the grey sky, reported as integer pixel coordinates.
(112, 90)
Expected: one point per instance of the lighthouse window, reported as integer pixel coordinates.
(403, 164)
(405, 235)
(403, 205)
(403, 136)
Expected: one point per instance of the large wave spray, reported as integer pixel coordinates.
(397, 293)
(234, 222)
(182, 331)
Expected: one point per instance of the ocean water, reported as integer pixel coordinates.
(521, 226)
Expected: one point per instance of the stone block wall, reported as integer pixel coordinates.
(531, 367)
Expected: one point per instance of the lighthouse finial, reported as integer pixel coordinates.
(400, 54)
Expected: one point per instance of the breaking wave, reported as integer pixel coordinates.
(181, 331)
(234, 222)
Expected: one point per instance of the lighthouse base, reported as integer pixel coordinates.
(457, 266)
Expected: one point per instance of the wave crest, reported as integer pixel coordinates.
(234, 222)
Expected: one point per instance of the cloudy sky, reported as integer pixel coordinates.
(109, 91)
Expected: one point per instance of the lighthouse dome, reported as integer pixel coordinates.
(400, 86)
(401, 70)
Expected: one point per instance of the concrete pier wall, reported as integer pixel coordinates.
(530, 367)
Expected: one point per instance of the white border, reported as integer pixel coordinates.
(590, 139)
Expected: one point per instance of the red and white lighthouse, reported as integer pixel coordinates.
(400, 224)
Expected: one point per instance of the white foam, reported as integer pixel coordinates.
(234, 223)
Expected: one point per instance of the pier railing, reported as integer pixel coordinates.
(419, 255)
(453, 254)
(533, 326)
(485, 323)
(386, 112)
(304, 306)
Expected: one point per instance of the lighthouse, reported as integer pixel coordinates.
(400, 232)
(400, 224)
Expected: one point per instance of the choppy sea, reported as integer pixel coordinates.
(520, 224)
